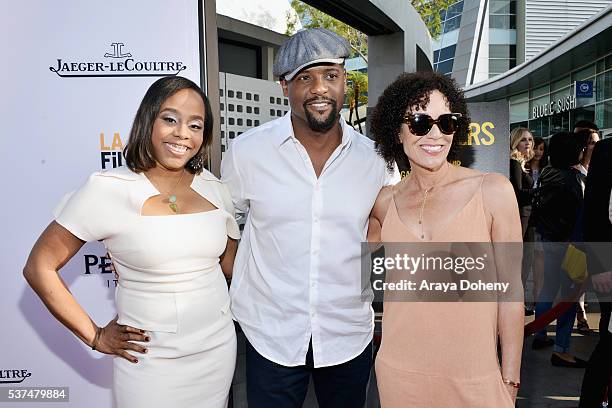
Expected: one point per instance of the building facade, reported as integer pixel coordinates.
(571, 80)
(484, 38)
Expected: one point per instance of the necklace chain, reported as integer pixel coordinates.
(425, 194)
(172, 203)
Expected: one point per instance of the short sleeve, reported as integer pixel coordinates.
(233, 231)
(81, 212)
(231, 177)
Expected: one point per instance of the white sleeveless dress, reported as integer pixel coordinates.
(170, 284)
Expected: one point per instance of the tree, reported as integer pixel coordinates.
(315, 18)
(430, 11)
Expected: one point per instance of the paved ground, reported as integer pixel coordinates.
(542, 384)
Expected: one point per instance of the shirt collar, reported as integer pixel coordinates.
(285, 131)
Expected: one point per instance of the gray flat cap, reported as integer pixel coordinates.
(308, 47)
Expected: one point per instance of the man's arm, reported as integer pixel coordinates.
(232, 178)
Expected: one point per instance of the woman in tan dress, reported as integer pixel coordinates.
(442, 354)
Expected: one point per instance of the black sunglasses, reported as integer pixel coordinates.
(420, 123)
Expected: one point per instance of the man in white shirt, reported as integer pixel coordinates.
(308, 182)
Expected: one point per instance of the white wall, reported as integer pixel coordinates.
(50, 136)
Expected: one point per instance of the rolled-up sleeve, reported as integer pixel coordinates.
(232, 179)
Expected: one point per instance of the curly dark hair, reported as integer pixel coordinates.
(410, 90)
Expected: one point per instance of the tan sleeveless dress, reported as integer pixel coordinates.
(440, 354)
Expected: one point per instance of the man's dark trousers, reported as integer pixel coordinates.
(270, 385)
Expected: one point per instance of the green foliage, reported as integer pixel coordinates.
(430, 13)
(361, 79)
(311, 17)
(314, 18)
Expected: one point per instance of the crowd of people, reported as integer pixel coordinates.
(563, 190)
(314, 189)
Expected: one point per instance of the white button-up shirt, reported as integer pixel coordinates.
(297, 271)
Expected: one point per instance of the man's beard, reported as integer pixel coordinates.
(326, 124)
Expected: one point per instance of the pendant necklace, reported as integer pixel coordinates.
(172, 197)
(427, 190)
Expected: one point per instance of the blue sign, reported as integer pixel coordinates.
(584, 89)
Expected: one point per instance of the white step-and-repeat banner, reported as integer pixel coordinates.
(72, 75)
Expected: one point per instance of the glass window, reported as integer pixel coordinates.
(446, 66)
(454, 10)
(499, 65)
(503, 7)
(256, 110)
(502, 21)
(524, 124)
(232, 121)
(599, 86)
(239, 94)
(240, 122)
(559, 122)
(230, 93)
(436, 55)
(256, 97)
(249, 109)
(609, 62)
(502, 51)
(535, 103)
(452, 24)
(585, 113)
(519, 112)
(519, 98)
(537, 92)
(502, 36)
(539, 127)
(249, 96)
(607, 85)
(599, 115)
(601, 65)
(584, 73)
(220, 92)
(607, 115)
(560, 83)
(271, 99)
(555, 96)
(447, 52)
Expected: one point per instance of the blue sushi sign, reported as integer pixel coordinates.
(584, 89)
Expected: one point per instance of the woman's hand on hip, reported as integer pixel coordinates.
(116, 339)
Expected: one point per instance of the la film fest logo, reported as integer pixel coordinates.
(111, 151)
(118, 62)
(13, 376)
(100, 265)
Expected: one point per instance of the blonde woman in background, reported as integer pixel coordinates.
(521, 152)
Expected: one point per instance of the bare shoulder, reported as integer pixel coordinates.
(382, 203)
(498, 195)
(496, 185)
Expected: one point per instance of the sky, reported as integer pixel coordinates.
(271, 14)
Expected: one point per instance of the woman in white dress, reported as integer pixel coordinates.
(165, 221)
